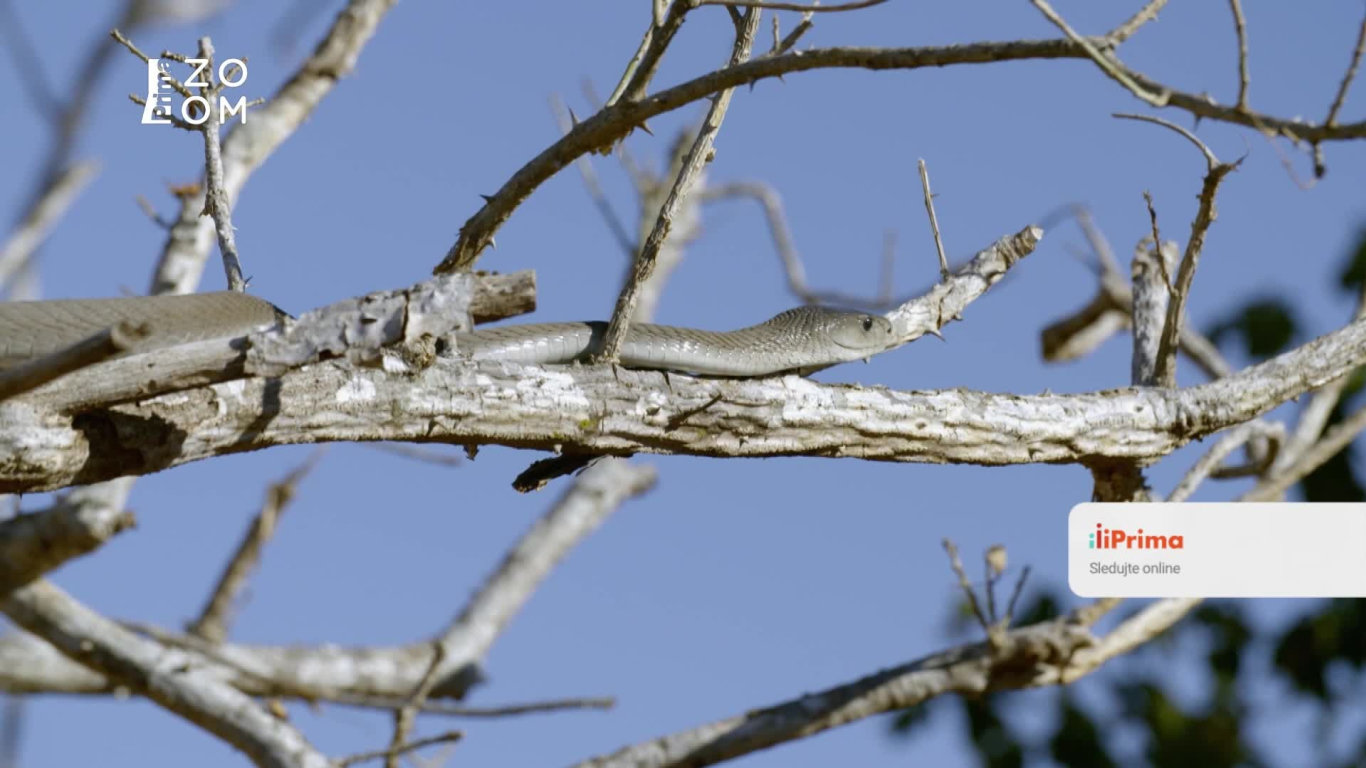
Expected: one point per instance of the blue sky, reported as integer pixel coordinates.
(734, 584)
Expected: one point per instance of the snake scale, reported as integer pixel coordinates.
(801, 340)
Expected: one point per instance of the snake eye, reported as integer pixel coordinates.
(867, 323)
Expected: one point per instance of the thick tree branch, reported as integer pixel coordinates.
(1051, 653)
(614, 122)
(602, 410)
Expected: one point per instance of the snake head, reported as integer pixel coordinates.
(861, 332)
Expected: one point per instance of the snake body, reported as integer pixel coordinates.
(33, 329)
(801, 340)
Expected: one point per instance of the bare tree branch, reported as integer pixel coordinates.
(1144, 15)
(1214, 457)
(1051, 653)
(1165, 373)
(1346, 83)
(934, 220)
(1240, 26)
(394, 752)
(38, 221)
(247, 146)
(169, 677)
(614, 122)
(212, 623)
(1107, 65)
(466, 641)
(216, 201)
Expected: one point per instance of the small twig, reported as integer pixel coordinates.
(697, 156)
(126, 43)
(461, 710)
(934, 220)
(95, 349)
(640, 70)
(1240, 26)
(405, 717)
(1015, 597)
(1210, 160)
(1145, 14)
(394, 752)
(1158, 246)
(1346, 83)
(956, 563)
(212, 624)
(175, 120)
(778, 6)
(216, 202)
(151, 212)
(783, 46)
(1107, 65)
(175, 83)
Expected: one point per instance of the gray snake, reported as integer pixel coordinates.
(800, 340)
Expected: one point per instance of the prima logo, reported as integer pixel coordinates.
(193, 109)
(1116, 538)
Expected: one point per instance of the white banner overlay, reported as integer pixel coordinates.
(1217, 550)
